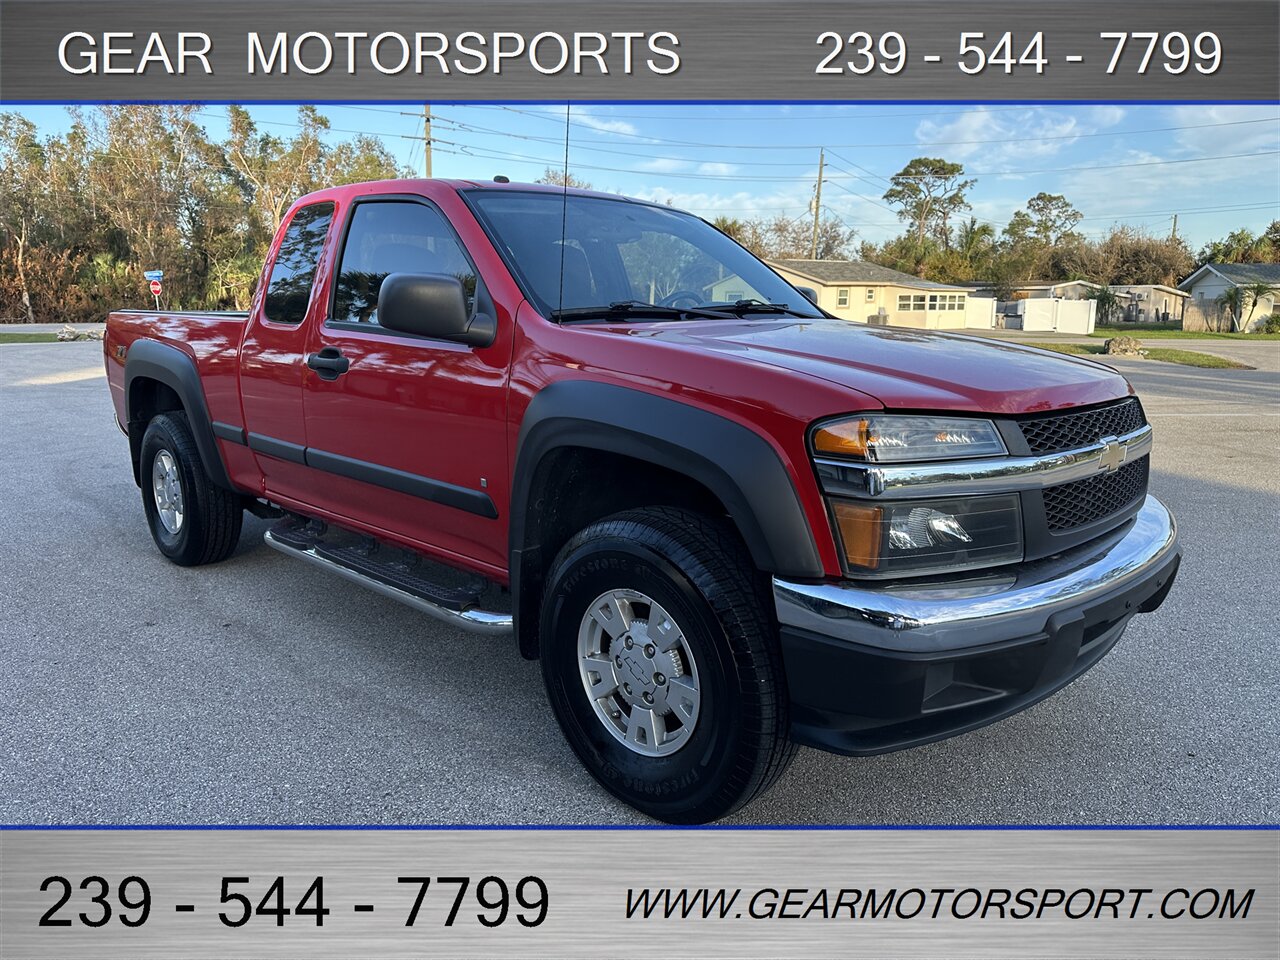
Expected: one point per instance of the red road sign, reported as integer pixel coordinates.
(156, 288)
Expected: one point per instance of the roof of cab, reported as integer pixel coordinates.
(419, 184)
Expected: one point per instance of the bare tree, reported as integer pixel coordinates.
(562, 178)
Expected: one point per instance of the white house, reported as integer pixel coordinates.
(1151, 302)
(1054, 290)
(1212, 280)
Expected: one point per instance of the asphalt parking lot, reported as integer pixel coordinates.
(261, 690)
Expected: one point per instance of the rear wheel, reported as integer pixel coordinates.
(193, 521)
(662, 666)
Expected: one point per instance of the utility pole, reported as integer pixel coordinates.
(817, 206)
(426, 138)
(1174, 234)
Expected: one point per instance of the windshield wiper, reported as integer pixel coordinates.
(623, 309)
(740, 307)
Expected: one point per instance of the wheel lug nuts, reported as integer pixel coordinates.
(659, 679)
(629, 643)
(648, 697)
(618, 660)
(626, 687)
(616, 714)
(650, 649)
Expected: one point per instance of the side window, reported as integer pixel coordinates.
(295, 265)
(387, 237)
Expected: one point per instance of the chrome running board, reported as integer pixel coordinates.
(482, 622)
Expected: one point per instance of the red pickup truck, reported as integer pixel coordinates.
(724, 526)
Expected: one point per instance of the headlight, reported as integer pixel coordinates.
(898, 439)
(918, 537)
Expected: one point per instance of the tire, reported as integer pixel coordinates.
(723, 747)
(201, 524)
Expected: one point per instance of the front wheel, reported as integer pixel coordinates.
(662, 665)
(193, 521)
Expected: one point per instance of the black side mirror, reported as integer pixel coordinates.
(810, 294)
(432, 305)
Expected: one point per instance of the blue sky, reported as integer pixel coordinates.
(1217, 166)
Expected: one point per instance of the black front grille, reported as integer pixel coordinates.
(1081, 502)
(1067, 431)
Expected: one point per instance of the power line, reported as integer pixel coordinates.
(462, 148)
(911, 143)
(498, 155)
(720, 110)
(491, 154)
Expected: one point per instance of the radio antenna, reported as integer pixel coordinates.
(564, 206)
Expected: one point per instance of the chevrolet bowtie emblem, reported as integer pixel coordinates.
(1113, 454)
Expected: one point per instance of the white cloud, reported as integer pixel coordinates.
(1200, 183)
(1002, 138)
(1251, 128)
(601, 124)
(1106, 193)
(662, 165)
(1167, 187)
(738, 204)
(1106, 115)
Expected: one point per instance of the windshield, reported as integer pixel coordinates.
(618, 252)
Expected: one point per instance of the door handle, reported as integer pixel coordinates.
(329, 363)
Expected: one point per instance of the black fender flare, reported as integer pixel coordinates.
(153, 360)
(734, 462)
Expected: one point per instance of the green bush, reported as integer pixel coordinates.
(1271, 324)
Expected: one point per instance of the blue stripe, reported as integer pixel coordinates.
(727, 828)
(561, 102)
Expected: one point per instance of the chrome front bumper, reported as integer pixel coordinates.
(973, 611)
(878, 667)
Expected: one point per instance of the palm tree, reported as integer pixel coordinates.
(730, 226)
(1255, 292)
(974, 241)
(1241, 246)
(1232, 301)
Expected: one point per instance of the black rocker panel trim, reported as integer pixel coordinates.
(280, 449)
(389, 478)
(426, 488)
(230, 432)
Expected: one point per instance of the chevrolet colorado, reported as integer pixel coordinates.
(724, 527)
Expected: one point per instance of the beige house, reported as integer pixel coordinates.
(869, 293)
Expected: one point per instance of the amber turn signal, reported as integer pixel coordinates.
(846, 438)
(860, 532)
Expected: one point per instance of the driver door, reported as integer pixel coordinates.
(412, 435)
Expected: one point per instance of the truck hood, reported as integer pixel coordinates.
(904, 368)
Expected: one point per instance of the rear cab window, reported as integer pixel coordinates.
(294, 270)
(394, 236)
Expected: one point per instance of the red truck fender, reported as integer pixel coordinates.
(150, 360)
(736, 465)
